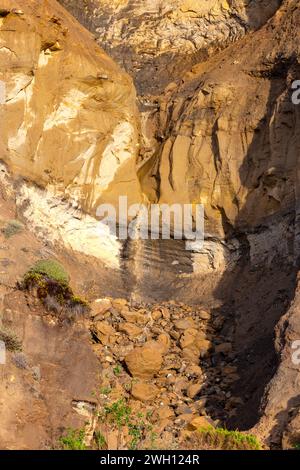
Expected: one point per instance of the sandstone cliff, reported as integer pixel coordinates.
(218, 128)
(226, 136)
(230, 138)
(69, 122)
(157, 40)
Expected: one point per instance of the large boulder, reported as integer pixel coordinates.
(144, 362)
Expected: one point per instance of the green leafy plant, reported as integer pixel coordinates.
(120, 415)
(52, 269)
(117, 370)
(51, 282)
(220, 438)
(78, 301)
(153, 437)
(136, 433)
(100, 440)
(73, 440)
(119, 412)
(105, 390)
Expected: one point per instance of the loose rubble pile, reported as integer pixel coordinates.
(169, 361)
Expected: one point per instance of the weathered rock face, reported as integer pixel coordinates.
(202, 144)
(230, 132)
(48, 386)
(280, 422)
(69, 121)
(157, 40)
(226, 136)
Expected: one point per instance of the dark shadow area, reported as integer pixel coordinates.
(257, 17)
(283, 418)
(151, 269)
(259, 290)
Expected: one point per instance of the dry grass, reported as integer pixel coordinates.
(10, 339)
(211, 438)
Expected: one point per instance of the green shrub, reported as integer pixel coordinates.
(74, 440)
(51, 282)
(119, 412)
(99, 440)
(52, 269)
(120, 415)
(117, 370)
(12, 228)
(220, 438)
(11, 340)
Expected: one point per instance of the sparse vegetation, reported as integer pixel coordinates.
(79, 302)
(117, 370)
(119, 415)
(118, 412)
(222, 439)
(20, 360)
(114, 417)
(12, 228)
(52, 269)
(51, 282)
(105, 390)
(99, 440)
(128, 386)
(73, 440)
(10, 339)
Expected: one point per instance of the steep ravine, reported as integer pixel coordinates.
(238, 133)
(223, 133)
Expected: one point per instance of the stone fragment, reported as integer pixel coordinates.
(144, 362)
(130, 329)
(99, 307)
(224, 348)
(134, 317)
(144, 391)
(156, 315)
(194, 390)
(104, 332)
(164, 340)
(199, 422)
(184, 324)
(204, 315)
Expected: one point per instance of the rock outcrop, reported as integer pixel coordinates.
(202, 135)
(279, 425)
(69, 120)
(230, 133)
(219, 128)
(157, 40)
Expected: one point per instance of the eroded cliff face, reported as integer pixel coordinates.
(219, 128)
(69, 121)
(230, 137)
(232, 142)
(279, 425)
(202, 144)
(157, 40)
(200, 125)
(227, 137)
